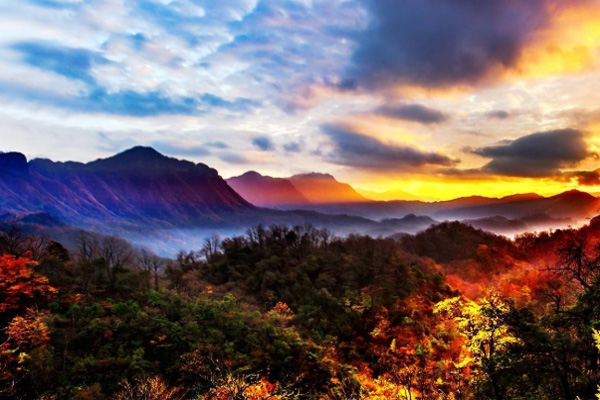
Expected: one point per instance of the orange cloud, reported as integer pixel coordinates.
(568, 45)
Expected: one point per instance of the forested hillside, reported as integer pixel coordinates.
(297, 313)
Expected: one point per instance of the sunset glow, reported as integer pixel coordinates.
(252, 86)
(300, 199)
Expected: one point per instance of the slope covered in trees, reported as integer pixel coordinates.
(297, 313)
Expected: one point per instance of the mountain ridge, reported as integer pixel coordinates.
(267, 191)
(138, 185)
(142, 191)
(299, 190)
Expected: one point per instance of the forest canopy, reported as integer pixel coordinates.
(298, 313)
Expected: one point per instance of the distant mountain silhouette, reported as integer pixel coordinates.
(298, 191)
(388, 195)
(572, 204)
(265, 191)
(324, 188)
(148, 197)
(410, 223)
(507, 226)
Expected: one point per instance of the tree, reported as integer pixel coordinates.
(20, 285)
(102, 257)
(488, 335)
(210, 248)
(149, 388)
(597, 339)
(20, 288)
(226, 385)
(151, 265)
(23, 335)
(116, 253)
(14, 240)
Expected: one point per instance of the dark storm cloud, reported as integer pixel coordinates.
(435, 43)
(357, 150)
(412, 112)
(585, 178)
(263, 143)
(540, 154)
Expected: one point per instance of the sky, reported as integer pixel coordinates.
(433, 99)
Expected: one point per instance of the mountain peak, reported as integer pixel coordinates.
(521, 196)
(314, 175)
(13, 162)
(249, 174)
(574, 194)
(139, 158)
(140, 152)
(266, 191)
(138, 185)
(322, 188)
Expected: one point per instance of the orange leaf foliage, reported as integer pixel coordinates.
(20, 284)
(28, 331)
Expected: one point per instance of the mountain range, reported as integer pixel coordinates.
(146, 196)
(265, 191)
(571, 204)
(137, 186)
(295, 191)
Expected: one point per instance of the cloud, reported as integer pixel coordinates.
(497, 114)
(179, 149)
(136, 104)
(441, 43)
(263, 143)
(58, 3)
(217, 144)
(239, 51)
(357, 150)
(127, 102)
(239, 104)
(235, 158)
(541, 154)
(583, 178)
(412, 112)
(78, 64)
(138, 40)
(72, 63)
(176, 17)
(293, 147)
(112, 144)
(289, 48)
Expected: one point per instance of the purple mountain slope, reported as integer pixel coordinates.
(137, 186)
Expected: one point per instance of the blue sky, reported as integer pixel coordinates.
(382, 94)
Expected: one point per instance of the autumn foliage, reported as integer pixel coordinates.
(20, 285)
(453, 313)
(26, 328)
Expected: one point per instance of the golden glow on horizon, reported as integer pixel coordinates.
(566, 51)
(452, 189)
